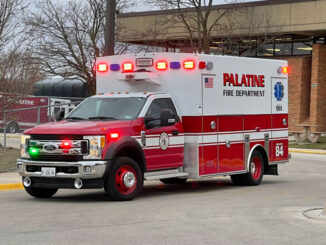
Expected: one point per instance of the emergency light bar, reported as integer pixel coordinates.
(144, 62)
(162, 65)
(102, 67)
(115, 67)
(202, 65)
(127, 67)
(175, 65)
(189, 64)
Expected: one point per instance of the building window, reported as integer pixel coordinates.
(302, 48)
(283, 49)
(266, 50)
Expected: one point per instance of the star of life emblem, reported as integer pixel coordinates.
(164, 141)
(279, 91)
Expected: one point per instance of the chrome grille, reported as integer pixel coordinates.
(54, 147)
(52, 150)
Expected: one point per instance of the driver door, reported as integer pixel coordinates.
(163, 144)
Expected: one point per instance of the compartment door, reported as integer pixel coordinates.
(208, 147)
(279, 139)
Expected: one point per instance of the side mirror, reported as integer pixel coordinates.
(59, 115)
(167, 118)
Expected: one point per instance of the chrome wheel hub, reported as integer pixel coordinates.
(129, 179)
(252, 167)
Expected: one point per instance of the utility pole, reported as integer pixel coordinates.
(110, 27)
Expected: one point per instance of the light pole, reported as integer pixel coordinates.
(110, 27)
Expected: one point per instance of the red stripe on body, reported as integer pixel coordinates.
(198, 124)
(192, 124)
(260, 122)
(277, 120)
(230, 123)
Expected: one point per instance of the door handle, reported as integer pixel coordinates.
(175, 132)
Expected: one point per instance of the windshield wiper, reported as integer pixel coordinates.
(101, 118)
(75, 118)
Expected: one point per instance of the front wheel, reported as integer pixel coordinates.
(255, 174)
(125, 180)
(40, 192)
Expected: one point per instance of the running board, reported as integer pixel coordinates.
(165, 174)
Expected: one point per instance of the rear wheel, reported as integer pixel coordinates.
(255, 174)
(125, 180)
(40, 192)
(173, 181)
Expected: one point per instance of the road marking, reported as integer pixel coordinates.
(14, 186)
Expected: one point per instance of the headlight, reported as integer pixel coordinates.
(24, 146)
(96, 145)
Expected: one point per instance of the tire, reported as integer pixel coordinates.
(13, 127)
(125, 180)
(40, 192)
(255, 174)
(173, 181)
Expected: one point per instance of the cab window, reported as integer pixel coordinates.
(152, 117)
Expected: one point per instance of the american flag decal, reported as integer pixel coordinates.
(208, 82)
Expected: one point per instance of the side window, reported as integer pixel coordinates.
(152, 117)
(172, 108)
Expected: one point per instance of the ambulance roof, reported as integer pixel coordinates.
(128, 94)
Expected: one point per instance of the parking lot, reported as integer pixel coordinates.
(208, 211)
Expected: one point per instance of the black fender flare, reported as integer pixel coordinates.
(124, 143)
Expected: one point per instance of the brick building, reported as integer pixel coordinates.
(294, 30)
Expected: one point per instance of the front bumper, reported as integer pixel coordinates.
(86, 169)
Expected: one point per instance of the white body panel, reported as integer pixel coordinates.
(185, 85)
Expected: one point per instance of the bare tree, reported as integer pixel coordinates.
(10, 22)
(16, 70)
(198, 19)
(18, 73)
(69, 36)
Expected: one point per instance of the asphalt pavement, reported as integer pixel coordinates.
(210, 211)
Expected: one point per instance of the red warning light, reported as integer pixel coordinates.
(114, 135)
(66, 144)
(102, 67)
(127, 67)
(202, 65)
(161, 65)
(188, 64)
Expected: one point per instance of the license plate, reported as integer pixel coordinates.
(48, 172)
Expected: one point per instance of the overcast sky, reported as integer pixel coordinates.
(141, 6)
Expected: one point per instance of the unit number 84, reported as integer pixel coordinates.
(279, 149)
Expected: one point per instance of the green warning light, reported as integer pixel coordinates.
(33, 151)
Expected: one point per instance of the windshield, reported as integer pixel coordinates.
(108, 109)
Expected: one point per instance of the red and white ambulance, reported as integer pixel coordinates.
(166, 116)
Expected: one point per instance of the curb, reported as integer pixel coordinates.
(307, 151)
(14, 186)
